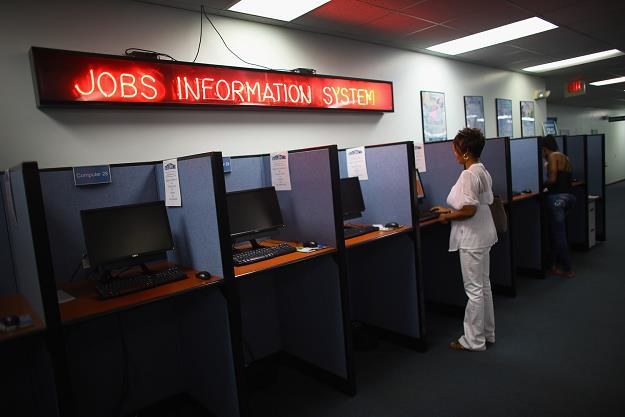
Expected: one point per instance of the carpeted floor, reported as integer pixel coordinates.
(560, 352)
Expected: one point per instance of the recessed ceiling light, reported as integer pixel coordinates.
(610, 81)
(277, 9)
(584, 59)
(494, 36)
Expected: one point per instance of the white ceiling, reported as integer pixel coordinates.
(585, 26)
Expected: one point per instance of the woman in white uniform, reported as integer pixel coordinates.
(472, 235)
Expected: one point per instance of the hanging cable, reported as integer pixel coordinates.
(199, 44)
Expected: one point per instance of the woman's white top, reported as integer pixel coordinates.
(473, 188)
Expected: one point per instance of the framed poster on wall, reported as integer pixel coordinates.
(433, 116)
(474, 112)
(528, 120)
(504, 117)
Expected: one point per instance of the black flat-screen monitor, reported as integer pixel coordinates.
(253, 211)
(351, 197)
(126, 235)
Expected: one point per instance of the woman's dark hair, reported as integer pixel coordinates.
(549, 142)
(470, 140)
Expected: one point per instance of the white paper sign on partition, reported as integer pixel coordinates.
(280, 173)
(172, 183)
(419, 157)
(357, 163)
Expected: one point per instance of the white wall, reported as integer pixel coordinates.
(58, 137)
(580, 120)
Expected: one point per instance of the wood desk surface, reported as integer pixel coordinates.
(577, 183)
(523, 196)
(18, 305)
(373, 236)
(278, 261)
(87, 303)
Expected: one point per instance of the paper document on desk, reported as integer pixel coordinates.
(172, 183)
(357, 163)
(280, 174)
(63, 297)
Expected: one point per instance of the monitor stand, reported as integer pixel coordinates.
(253, 243)
(106, 276)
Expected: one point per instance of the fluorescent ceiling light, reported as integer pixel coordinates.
(610, 81)
(584, 59)
(277, 9)
(494, 36)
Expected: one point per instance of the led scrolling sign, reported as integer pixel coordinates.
(78, 79)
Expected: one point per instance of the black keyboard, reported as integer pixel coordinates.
(428, 215)
(116, 287)
(260, 254)
(353, 231)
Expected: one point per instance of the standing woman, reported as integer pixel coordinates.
(559, 202)
(472, 235)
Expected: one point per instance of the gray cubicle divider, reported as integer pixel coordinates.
(188, 336)
(496, 159)
(297, 309)
(387, 191)
(561, 142)
(7, 283)
(388, 304)
(596, 180)
(526, 216)
(578, 218)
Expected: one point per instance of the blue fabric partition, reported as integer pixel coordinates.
(7, 283)
(387, 191)
(560, 142)
(248, 172)
(575, 149)
(63, 202)
(524, 164)
(308, 209)
(578, 217)
(442, 173)
(21, 240)
(495, 159)
(194, 225)
(596, 178)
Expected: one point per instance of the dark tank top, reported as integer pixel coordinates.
(562, 184)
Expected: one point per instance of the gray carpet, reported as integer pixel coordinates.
(560, 352)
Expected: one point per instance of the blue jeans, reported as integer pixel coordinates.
(558, 206)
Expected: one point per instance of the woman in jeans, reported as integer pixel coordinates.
(472, 235)
(559, 202)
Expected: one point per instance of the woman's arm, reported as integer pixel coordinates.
(447, 214)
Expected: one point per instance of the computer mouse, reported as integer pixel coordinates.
(392, 225)
(527, 191)
(310, 244)
(10, 321)
(203, 275)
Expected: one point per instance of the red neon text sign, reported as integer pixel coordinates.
(79, 79)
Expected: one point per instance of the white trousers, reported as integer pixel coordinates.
(479, 315)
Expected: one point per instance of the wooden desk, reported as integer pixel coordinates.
(523, 196)
(278, 261)
(373, 236)
(88, 305)
(578, 183)
(17, 305)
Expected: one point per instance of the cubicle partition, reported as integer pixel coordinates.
(27, 380)
(595, 145)
(383, 267)
(526, 214)
(578, 226)
(296, 307)
(441, 269)
(127, 353)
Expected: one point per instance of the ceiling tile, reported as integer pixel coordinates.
(559, 44)
(341, 12)
(499, 13)
(395, 5)
(398, 24)
(581, 11)
(440, 11)
(429, 37)
(541, 6)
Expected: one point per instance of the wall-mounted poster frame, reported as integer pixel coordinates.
(504, 117)
(528, 119)
(433, 116)
(474, 112)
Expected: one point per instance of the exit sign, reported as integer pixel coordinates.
(575, 88)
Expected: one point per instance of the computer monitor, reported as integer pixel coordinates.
(126, 235)
(253, 211)
(419, 190)
(351, 197)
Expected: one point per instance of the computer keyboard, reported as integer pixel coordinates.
(116, 287)
(353, 231)
(260, 254)
(428, 215)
